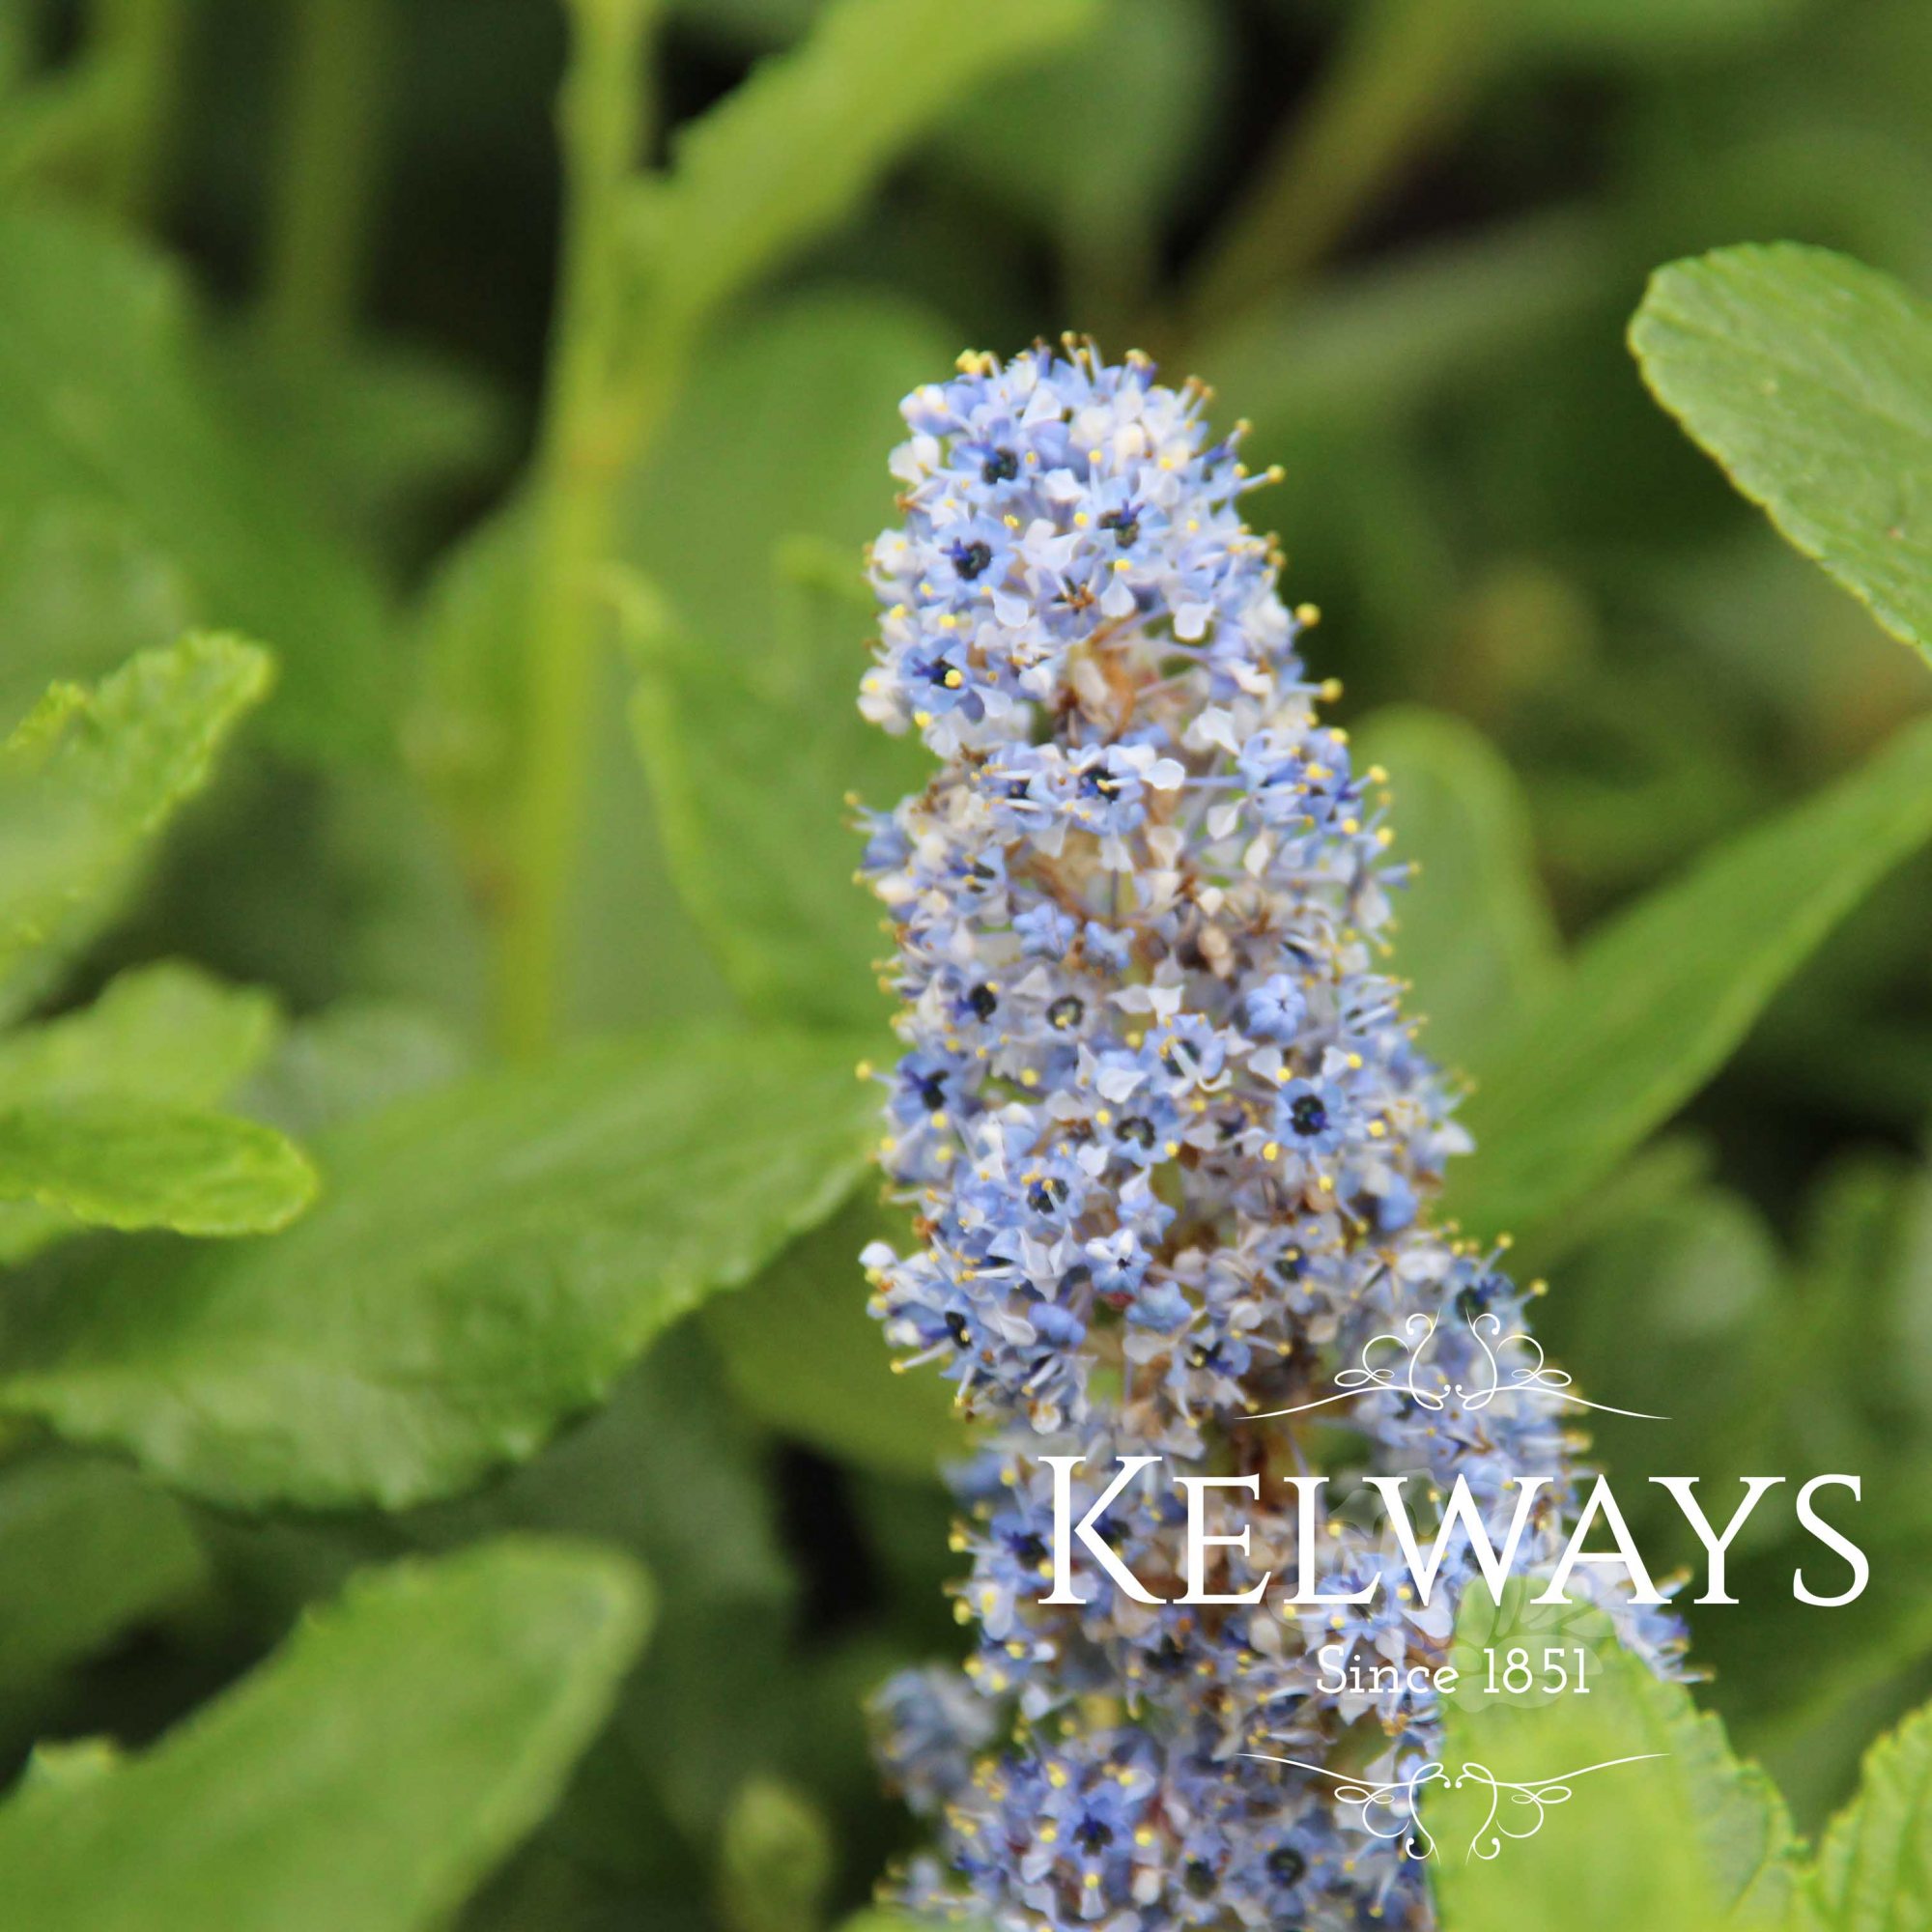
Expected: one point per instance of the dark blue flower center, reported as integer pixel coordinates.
(1285, 1865)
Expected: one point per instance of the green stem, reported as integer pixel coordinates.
(136, 46)
(337, 75)
(579, 463)
(1405, 68)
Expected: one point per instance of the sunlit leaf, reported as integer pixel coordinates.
(484, 1262)
(161, 1035)
(1809, 377)
(1685, 1840)
(115, 1162)
(368, 1774)
(1874, 1870)
(88, 779)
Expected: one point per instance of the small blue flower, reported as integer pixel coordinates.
(1045, 930)
(1274, 1011)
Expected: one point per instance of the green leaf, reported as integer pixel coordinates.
(1659, 29)
(101, 405)
(783, 159)
(751, 779)
(87, 1552)
(1128, 109)
(1874, 1867)
(369, 1775)
(776, 1861)
(115, 1162)
(1371, 343)
(1473, 929)
(805, 1357)
(1686, 1841)
(484, 1263)
(1809, 377)
(354, 1059)
(671, 1471)
(1697, 1275)
(162, 1033)
(767, 561)
(378, 431)
(783, 431)
(88, 781)
(81, 590)
(1659, 996)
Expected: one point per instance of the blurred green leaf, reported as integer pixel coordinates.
(162, 1033)
(754, 781)
(1098, 140)
(87, 780)
(1371, 342)
(369, 1775)
(1659, 996)
(81, 590)
(1809, 377)
(87, 1552)
(377, 431)
(783, 431)
(636, 956)
(1473, 929)
(671, 1471)
(101, 405)
(1874, 1867)
(811, 387)
(459, 734)
(806, 1359)
(68, 1763)
(764, 556)
(1786, 1667)
(775, 1861)
(1662, 29)
(111, 1161)
(485, 1262)
(1834, 1382)
(785, 157)
(1698, 1276)
(1686, 1841)
(354, 1059)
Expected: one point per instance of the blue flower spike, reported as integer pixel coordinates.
(1169, 1144)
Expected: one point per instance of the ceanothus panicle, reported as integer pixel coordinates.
(1169, 1143)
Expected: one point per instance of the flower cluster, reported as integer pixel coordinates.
(1168, 1140)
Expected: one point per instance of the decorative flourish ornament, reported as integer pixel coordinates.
(1530, 1374)
(1392, 1812)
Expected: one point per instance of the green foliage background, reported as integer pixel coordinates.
(446, 1473)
